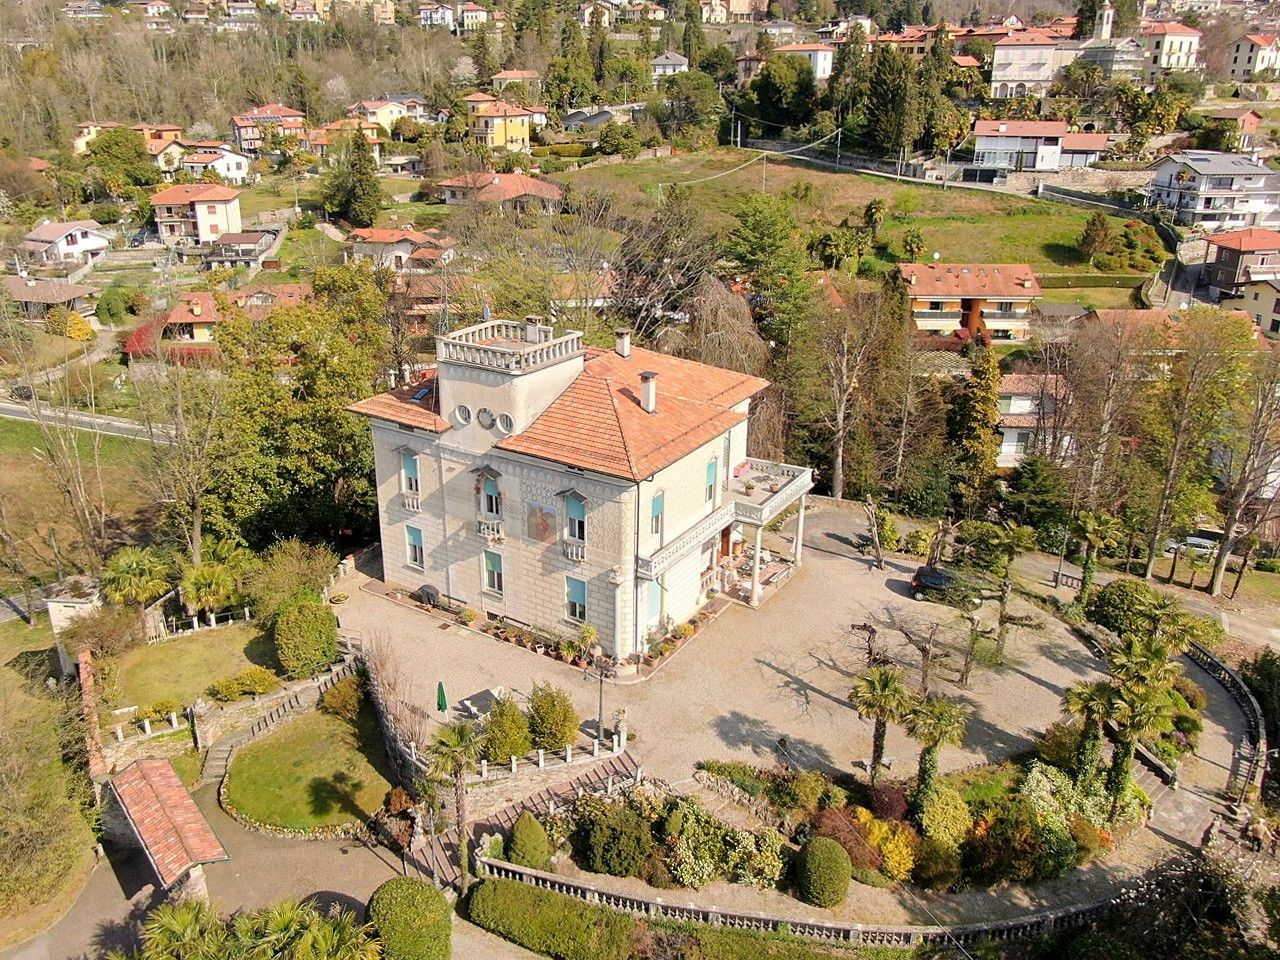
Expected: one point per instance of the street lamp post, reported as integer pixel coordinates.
(602, 665)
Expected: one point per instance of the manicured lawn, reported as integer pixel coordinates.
(182, 669)
(395, 186)
(44, 350)
(187, 766)
(421, 214)
(1256, 587)
(985, 784)
(36, 507)
(314, 771)
(304, 250)
(1096, 298)
(965, 226)
(52, 870)
(105, 386)
(276, 193)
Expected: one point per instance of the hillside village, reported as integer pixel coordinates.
(698, 480)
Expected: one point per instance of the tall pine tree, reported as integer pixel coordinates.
(975, 437)
(694, 40)
(893, 108)
(848, 84)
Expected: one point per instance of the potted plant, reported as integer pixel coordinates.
(749, 486)
(338, 599)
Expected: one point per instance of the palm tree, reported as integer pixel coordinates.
(913, 244)
(1093, 704)
(1142, 663)
(135, 575)
(935, 723)
(189, 929)
(1197, 562)
(1098, 531)
(207, 587)
(881, 695)
(456, 753)
(1138, 712)
(873, 215)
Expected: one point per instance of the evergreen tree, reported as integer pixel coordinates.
(644, 33)
(926, 13)
(1127, 17)
(668, 40)
(1097, 235)
(1086, 14)
(598, 43)
(352, 190)
(483, 57)
(764, 45)
(848, 83)
(694, 40)
(976, 440)
(893, 110)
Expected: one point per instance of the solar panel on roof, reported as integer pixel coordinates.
(421, 394)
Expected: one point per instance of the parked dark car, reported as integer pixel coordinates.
(941, 585)
(22, 393)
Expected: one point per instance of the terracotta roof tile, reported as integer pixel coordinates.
(970, 280)
(1030, 385)
(500, 187)
(30, 290)
(172, 829)
(1250, 240)
(194, 193)
(1020, 128)
(399, 406)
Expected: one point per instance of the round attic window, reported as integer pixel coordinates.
(505, 423)
(485, 418)
(463, 413)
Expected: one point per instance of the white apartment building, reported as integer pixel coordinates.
(1217, 191)
(821, 56)
(1029, 422)
(1169, 46)
(436, 15)
(196, 213)
(534, 479)
(1045, 145)
(1026, 64)
(77, 241)
(1252, 54)
(230, 166)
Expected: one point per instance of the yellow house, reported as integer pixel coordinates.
(1260, 299)
(87, 132)
(498, 124)
(384, 113)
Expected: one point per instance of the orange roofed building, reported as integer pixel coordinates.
(555, 485)
(990, 298)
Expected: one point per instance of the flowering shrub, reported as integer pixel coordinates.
(755, 859)
(895, 841)
(945, 818)
(698, 853)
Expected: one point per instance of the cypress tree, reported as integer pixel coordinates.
(976, 440)
(893, 109)
(366, 192)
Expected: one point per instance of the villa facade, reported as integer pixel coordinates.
(531, 478)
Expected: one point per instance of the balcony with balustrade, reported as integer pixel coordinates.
(490, 529)
(511, 346)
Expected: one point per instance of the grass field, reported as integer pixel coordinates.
(182, 669)
(315, 771)
(1097, 298)
(36, 508)
(966, 226)
(276, 193)
(1257, 586)
(44, 350)
(45, 842)
(420, 214)
(304, 250)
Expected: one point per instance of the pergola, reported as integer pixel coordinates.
(173, 832)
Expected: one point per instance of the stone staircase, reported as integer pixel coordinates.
(437, 859)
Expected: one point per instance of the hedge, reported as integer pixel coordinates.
(550, 923)
(306, 637)
(413, 920)
(1057, 281)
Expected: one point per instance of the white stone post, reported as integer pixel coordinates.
(173, 719)
(119, 733)
(595, 749)
(799, 545)
(568, 753)
(755, 570)
(146, 727)
(541, 758)
(413, 751)
(484, 768)
(513, 764)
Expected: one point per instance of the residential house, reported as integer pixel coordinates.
(838, 30)
(668, 65)
(159, 24)
(77, 241)
(1247, 123)
(593, 10)
(242, 11)
(653, 12)
(304, 11)
(531, 80)
(251, 128)
(196, 213)
(383, 12)
(912, 42)
(83, 10)
(743, 11)
(86, 132)
(1026, 64)
(981, 298)
(714, 11)
(1240, 257)
(1217, 191)
(1253, 54)
(1169, 46)
(471, 17)
(780, 31)
(749, 65)
(152, 8)
(1261, 300)
(196, 14)
(416, 107)
(38, 165)
(231, 167)
(436, 15)
(403, 165)
(534, 479)
(190, 328)
(510, 191)
(1041, 145)
(322, 140)
(1030, 421)
(497, 124)
(820, 56)
(233, 250)
(381, 113)
(35, 298)
(401, 249)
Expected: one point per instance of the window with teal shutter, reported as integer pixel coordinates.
(711, 480)
(409, 470)
(655, 515)
(576, 598)
(493, 571)
(577, 518)
(414, 538)
(492, 501)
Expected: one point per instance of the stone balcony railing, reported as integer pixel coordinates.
(411, 501)
(489, 529)
(575, 550)
(505, 345)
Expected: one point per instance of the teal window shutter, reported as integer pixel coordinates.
(414, 535)
(577, 590)
(409, 464)
(655, 599)
(577, 509)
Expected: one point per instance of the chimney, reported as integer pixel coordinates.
(532, 332)
(622, 343)
(196, 309)
(1004, 127)
(649, 392)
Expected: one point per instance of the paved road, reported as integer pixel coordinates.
(97, 423)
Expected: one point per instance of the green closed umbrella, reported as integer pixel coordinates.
(442, 702)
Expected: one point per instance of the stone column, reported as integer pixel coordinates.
(755, 570)
(798, 552)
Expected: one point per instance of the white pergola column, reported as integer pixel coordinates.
(798, 552)
(755, 570)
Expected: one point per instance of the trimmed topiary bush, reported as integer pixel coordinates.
(413, 920)
(529, 845)
(618, 843)
(306, 637)
(823, 871)
(553, 721)
(1123, 606)
(257, 679)
(550, 923)
(506, 732)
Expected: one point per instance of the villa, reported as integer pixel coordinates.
(535, 479)
(991, 298)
